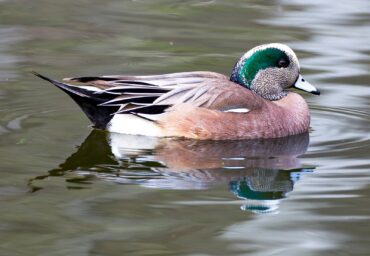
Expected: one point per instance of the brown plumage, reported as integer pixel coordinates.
(264, 120)
(201, 105)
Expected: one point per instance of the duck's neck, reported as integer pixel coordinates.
(296, 112)
(237, 75)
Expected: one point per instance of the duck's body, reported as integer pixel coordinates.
(201, 105)
(265, 120)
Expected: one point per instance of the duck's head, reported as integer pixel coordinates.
(268, 70)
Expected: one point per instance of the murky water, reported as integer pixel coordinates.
(66, 189)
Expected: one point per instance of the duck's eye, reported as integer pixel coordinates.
(283, 63)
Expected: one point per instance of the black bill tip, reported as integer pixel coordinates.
(317, 92)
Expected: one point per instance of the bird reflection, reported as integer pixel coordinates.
(259, 172)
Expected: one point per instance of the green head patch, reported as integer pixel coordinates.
(246, 69)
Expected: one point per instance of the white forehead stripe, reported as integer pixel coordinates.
(279, 46)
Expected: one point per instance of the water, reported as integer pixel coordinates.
(69, 190)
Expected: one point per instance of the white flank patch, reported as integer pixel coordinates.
(130, 124)
(238, 110)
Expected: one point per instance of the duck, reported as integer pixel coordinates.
(255, 102)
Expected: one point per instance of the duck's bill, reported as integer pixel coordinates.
(305, 86)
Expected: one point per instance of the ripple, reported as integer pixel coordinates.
(338, 131)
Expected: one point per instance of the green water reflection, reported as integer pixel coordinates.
(261, 172)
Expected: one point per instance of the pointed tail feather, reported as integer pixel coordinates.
(88, 101)
(65, 87)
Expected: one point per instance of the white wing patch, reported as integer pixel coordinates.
(238, 110)
(89, 88)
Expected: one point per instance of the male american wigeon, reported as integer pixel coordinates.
(253, 103)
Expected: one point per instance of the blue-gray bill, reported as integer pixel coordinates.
(303, 85)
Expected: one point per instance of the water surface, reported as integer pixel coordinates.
(67, 189)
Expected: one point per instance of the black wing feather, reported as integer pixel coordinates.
(110, 95)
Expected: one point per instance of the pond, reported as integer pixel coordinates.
(67, 189)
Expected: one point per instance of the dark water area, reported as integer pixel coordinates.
(67, 189)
